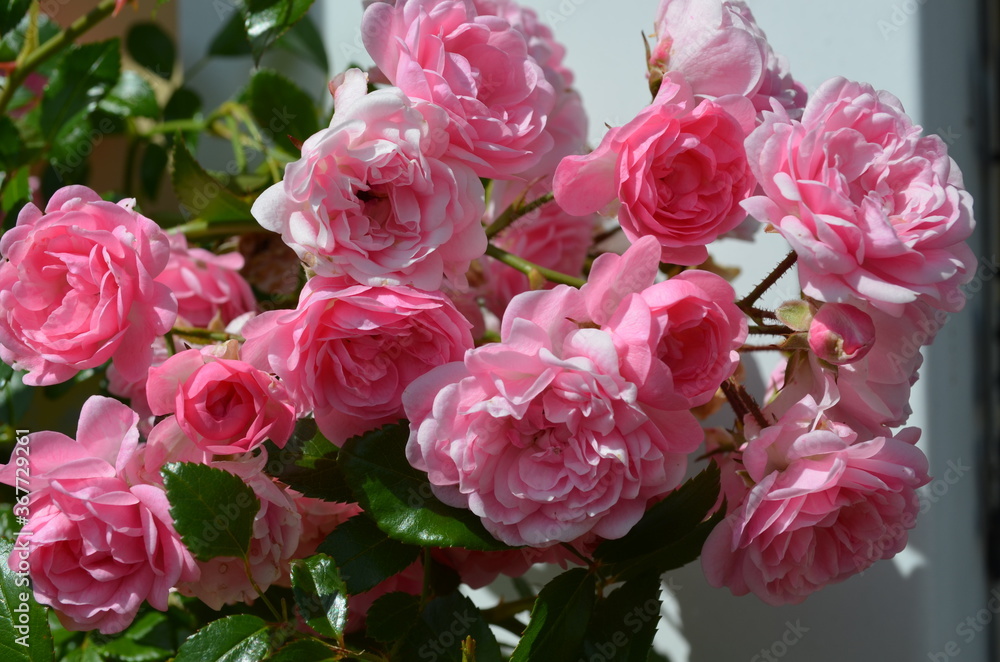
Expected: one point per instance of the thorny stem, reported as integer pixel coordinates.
(742, 402)
(749, 300)
(770, 329)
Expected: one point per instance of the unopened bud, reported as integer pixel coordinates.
(841, 334)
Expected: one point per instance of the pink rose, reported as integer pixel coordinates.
(678, 340)
(840, 333)
(77, 288)
(721, 51)
(874, 211)
(224, 405)
(825, 505)
(678, 169)
(99, 541)
(374, 197)
(567, 123)
(276, 531)
(348, 351)
(547, 236)
(875, 391)
(207, 286)
(477, 68)
(540, 435)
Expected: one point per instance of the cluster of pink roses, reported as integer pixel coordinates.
(580, 417)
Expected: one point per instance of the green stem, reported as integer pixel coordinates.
(514, 212)
(192, 332)
(176, 125)
(201, 229)
(530, 269)
(52, 47)
(772, 278)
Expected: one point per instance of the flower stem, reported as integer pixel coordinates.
(514, 212)
(749, 300)
(192, 332)
(532, 270)
(742, 402)
(770, 330)
(761, 348)
(51, 48)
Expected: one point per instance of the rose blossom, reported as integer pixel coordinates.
(224, 405)
(678, 169)
(101, 541)
(77, 288)
(477, 68)
(825, 505)
(874, 211)
(540, 435)
(721, 51)
(567, 123)
(374, 197)
(348, 351)
(678, 340)
(207, 286)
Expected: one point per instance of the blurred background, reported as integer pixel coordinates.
(935, 601)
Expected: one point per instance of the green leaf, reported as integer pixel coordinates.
(152, 48)
(200, 194)
(320, 594)
(127, 650)
(559, 618)
(308, 463)
(11, 145)
(11, 13)
(213, 510)
(399, 497)
(183, 104)
(131, 97)
(304, 650)
(305, 41)
(365, 555)
(242, 638)
(391, 616)
(443, 625)
(24, 624)
(666, 523)
(88, 654)
(84, 77)
(624, 624)
(266, 20)
(151, 169)
(16, 194)
(9, 525)
(281, 108)
(231, 40)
